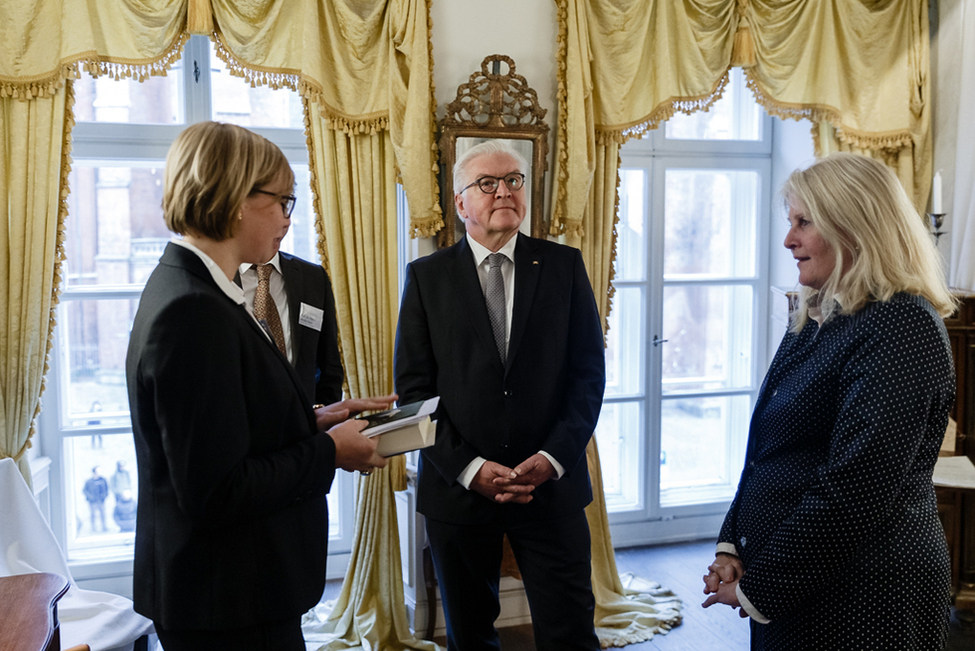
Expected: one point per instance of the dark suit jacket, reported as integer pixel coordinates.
(316, 353)
(835, 516)
(546, 396)
(232, 519)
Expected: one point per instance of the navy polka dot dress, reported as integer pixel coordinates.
(835, 517)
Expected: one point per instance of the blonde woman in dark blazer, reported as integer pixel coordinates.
(833, 539)
(232, 522)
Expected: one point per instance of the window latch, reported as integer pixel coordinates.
(657, 340)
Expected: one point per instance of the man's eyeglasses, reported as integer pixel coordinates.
(490, 184)
(287, 200)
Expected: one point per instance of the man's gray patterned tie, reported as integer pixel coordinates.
(494, 296)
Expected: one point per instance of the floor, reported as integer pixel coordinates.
(680, 568)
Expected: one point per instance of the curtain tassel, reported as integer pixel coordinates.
(199, 18)
(743, 49)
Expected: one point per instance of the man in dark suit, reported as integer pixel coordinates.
(514, 349)
(302, 295)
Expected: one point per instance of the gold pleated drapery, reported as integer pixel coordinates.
(857, 69)
(34, 167)
(364, 70)
(355, 186)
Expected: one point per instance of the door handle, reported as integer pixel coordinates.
(657, 340)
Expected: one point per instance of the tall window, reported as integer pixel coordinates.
(114, 236)
(684, 357)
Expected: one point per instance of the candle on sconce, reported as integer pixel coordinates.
(936, 194)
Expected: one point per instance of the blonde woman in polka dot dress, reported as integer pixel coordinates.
(833, 539)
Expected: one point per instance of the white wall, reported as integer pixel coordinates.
(946, 40)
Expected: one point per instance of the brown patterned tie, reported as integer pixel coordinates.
(264, 308)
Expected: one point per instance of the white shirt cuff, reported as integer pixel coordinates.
(726, 548)
(749, 608)
(465, 478)
(559, 470)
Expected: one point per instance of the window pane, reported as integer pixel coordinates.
(235, 101)
(101, 487)
(710, 223)
(736, 116)
(618, 435)
(157, 100)
(302, 238)
(115, 232)
(700, 449)
(709, 338)
(94, 338)
(631, 245)
(625, 343)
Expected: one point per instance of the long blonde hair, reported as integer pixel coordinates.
(882, 245)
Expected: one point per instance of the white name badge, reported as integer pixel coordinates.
(311, 317)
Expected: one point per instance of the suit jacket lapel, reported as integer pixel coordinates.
(471, 297)
(177, 256)
(527, 268)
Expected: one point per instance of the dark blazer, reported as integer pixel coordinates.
(546, 396)
(835, 518)
(232, 520)
(316, 352)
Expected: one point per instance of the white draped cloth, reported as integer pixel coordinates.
(963, 204)
(103, 621)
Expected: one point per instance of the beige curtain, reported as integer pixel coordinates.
(858, 70)
(355, 190)
(365, 65)
(34, 165)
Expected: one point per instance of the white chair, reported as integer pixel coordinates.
(100, 620)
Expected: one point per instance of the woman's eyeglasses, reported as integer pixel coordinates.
(287, 200)
(490, 184)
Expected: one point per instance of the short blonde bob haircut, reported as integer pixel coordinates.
(860, 208)
(211, 168)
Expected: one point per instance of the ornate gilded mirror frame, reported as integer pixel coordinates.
(490, 105)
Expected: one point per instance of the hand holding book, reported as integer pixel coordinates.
(403, 429)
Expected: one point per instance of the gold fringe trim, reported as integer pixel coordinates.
(46, 85)
(305, 86)
(661, 113)
(430, 225)
(64, 190)
(888, 140)
(557, 226)
(199, 18)
(610, 289)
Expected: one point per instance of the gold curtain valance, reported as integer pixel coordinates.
(861, 66)
(366, 66)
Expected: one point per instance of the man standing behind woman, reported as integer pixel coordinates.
(232, 522)
(504, 328)
(833, 539)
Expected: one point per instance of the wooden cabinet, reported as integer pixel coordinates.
(957, 507)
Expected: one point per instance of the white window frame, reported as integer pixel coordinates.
(649, 522)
